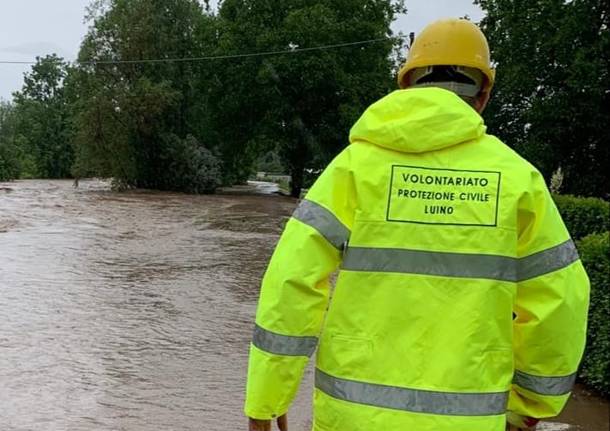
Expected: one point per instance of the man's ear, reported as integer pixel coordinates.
(406, 80)
(481, 101)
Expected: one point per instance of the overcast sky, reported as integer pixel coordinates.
(38, 27)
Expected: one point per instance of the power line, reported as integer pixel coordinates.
(222, 57)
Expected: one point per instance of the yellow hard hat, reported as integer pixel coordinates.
(450, 42)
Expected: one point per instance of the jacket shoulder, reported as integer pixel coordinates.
(510, 155)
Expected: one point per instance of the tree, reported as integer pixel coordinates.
(551, 100)
(10, 165)
(134, 119)
(42, 119)
(305, 102)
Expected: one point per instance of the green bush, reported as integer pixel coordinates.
(192, 168)
(9, 164)
(583, 216)
(595, 254)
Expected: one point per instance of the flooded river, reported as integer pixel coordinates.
(134, 311)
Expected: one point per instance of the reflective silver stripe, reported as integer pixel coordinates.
(430, 263)
(323, 221)
(545, 385)
(283, 344)
(413, 400)
(548, 260)
(447, 264)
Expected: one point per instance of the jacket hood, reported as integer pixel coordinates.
(418, 120)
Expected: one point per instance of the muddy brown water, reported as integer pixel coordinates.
(133, 311)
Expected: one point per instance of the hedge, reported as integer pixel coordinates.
(588, 220)
(583, 216)
(595, 369)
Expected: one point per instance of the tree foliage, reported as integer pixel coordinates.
(42, 122)
(136, 121)
(133, 119)
(302, 104)
(10, 165)
(552, 98)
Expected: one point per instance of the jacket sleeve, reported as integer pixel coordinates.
(295, 291)
(551, 305)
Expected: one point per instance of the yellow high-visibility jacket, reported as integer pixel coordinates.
(460, 294)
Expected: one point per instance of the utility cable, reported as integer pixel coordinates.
(222, 57)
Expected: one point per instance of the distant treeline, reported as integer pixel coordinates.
(194, 125)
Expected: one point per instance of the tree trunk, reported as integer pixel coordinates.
(296, 182)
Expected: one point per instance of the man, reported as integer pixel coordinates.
(460, 301)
